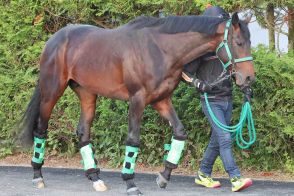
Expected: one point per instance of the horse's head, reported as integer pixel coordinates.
(234, 50)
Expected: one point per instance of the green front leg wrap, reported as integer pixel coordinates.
(88, 157)
(130, 160)
(175, 152)
(39, 149)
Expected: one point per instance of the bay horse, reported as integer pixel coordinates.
(140, 62)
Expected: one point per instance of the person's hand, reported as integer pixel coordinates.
(200, 85)
(248, 94)
(187, 77)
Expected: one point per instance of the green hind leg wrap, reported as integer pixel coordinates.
(166, 148)
(130, 160)
(39, 150)
(175, 152)
(88, 157)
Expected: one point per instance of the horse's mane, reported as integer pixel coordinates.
(178, 24)
(146, 21)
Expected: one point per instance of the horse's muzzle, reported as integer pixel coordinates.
(242, 80)
(249, 80)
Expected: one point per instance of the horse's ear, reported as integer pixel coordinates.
(235, 18)
(248, 19)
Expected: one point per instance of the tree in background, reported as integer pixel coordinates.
(277, 15)
(290, 21)
(270, 18)
(270, 14)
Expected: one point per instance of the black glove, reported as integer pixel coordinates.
(248, 93)
(200, 85)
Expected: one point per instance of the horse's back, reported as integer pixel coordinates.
(112, 63)
(72, 31)
(89, 56)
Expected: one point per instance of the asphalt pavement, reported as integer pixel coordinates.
(16, 181)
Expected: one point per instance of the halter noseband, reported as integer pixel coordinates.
(224, 43)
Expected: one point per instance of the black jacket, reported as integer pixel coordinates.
(208, 68)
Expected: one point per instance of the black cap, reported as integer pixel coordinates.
(216, 11)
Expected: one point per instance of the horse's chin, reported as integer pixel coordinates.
(240, 83)
(243, 83)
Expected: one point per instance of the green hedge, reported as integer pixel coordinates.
(25, 27)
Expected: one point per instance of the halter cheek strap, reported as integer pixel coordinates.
(224, 43)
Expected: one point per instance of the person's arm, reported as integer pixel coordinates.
(190, 70)
(192, 67)
(188, 75)
(200, 85)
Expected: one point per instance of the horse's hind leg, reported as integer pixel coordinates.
(50, 92)
(88, 105)
(166, 110)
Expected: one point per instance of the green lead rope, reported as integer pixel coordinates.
(237, 130)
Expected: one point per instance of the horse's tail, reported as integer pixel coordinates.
(29, 120)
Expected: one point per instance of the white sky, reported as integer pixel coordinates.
(260, 36)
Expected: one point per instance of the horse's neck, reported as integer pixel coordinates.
(185, 47)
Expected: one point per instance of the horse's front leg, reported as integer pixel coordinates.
(88, 104)
(136, 108)
(166, 110)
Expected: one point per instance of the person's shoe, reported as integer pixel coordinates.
(239, 184)
(206, 181)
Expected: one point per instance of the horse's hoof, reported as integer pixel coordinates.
(99, 186)
(38, 183)
(134, 191)
(161, 181)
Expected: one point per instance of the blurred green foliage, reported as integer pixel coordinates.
(25, 25)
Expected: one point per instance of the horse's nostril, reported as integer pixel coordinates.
(253, 78)
(250, 79)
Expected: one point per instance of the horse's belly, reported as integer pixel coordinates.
(118, 92)
(109, 91)
(104, 83)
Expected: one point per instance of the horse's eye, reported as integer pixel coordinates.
(239, 43)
